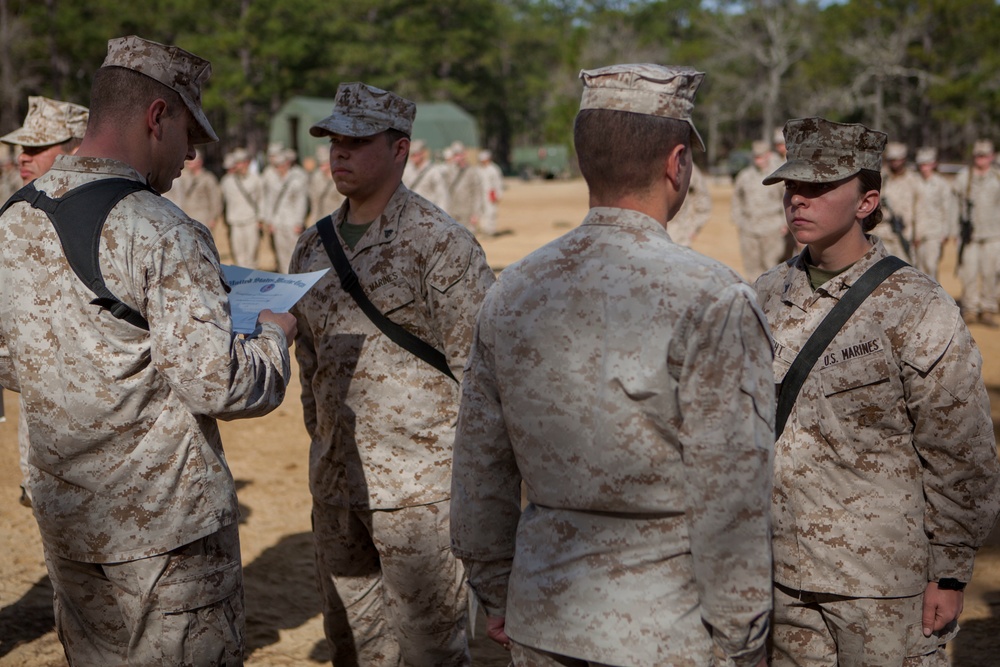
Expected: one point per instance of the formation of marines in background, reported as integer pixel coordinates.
(586, 445)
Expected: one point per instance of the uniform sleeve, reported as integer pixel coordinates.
(214, 372)
(953, 433)
(486, 483)
(8, 378)
(457, 280)
(305, 346)
(727, 437)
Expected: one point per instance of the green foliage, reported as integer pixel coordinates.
(921, 69)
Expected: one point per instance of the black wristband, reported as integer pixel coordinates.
(950, 584)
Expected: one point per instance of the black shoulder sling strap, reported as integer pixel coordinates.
(78, 217)
(349, 282)
(824, 334)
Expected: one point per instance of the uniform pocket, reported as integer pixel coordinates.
(917, 645)
(391, 296)
(203, 618)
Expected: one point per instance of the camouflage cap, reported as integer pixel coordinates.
(895, 150)
(360, 110)
(418, 146)
(760, 148)
(653, 90)
(982, 147)
(322, 153)
(49, 122)
(821, 151)
(926, 155)
(778, 138)
(175, 68)
(235, 157)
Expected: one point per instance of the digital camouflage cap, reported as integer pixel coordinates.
(821, 151)
(49, 122)
(895, 150)
(926, 155)
(360, 110)
(653, 90)
(982, 147)
(177, 69)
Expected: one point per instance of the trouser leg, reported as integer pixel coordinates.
(184, 607)
(423, 583)
(350, 581)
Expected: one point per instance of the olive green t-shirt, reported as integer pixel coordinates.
(353, 233)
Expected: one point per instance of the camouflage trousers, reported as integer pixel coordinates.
(927, 256)
(978, 273)
(285, 237)
(823, 630)
(244, 241)
(184, 607)
(393, 593)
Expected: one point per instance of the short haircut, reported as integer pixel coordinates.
(117, 93)
(71, 145)
(869, 179)
(392, 135)
(621, 152)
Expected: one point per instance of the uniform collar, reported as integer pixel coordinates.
(798, 292)
(623, 217)
(384, 228)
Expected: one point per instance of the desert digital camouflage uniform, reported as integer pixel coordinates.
(201, 196)
(981, 257)
(935, 215)
(242, 194)
(324, 198)
(555, 405)
(492, 179)
(626, 380)
(382, 420)
(694, 213)
(428, 179)
(899, 195)
(50, 128)
(466, 196)
(758, 214)
(285, 205)
(132, 493)
(886, 473)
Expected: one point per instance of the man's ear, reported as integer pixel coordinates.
(675, 165)
(155, 113)
(402, 148)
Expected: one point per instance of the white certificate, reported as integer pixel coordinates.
(254, 291)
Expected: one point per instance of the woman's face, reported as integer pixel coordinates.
(821, 214)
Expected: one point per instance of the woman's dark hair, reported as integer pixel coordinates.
(869, 179)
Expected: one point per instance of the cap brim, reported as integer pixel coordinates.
(346, 126)
(207, 134)
(694, 131)
(22, 137)
(809, 172)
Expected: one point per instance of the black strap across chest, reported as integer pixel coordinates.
(78, 218)
(350, 283)
(825, 333)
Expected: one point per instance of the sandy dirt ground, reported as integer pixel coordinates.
(269, 459)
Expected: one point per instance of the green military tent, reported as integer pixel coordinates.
(437, 123)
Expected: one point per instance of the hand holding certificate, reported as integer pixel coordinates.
(254, 291)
